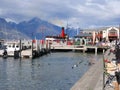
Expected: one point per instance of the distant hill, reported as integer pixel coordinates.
(30, 29)
(38, 28)
(8, 31)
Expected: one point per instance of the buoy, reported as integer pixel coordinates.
(5, 55)
(75, 65)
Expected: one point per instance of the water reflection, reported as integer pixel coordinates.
(51, 72)
(3, 74)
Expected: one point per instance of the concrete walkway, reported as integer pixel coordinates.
(93, 78)
(90, 79)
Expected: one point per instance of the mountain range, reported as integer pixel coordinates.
(34, 28)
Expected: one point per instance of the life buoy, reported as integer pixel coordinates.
(5, 54)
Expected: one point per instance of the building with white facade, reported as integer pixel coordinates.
(106, 33)
(111, 34)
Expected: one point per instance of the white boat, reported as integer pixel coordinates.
(11, 47)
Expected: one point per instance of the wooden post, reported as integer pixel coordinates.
(32, 50)
(103, 71)
(95, 50)
(20, 48)
(84, 48)
(49, 45)
(36, 44)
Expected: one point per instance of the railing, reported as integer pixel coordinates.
(112, 35)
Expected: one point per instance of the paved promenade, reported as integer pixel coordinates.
(90, 79)
(93, 78)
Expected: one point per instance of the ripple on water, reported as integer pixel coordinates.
(51, 72)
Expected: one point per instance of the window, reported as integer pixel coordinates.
(17, 46)
(112, 32)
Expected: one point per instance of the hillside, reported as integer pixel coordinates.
(30, 29)
(9, 32)
(38, 28)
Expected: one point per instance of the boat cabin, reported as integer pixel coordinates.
(12, 46)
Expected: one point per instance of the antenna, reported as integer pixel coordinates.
(67, 28)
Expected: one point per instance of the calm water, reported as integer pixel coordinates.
(50, 72)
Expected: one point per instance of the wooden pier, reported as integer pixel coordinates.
(28, 49)
(26, 53)
(34, 48)
(83, 48)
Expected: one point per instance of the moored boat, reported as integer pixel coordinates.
(9, 48)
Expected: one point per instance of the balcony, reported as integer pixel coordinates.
(112, 35)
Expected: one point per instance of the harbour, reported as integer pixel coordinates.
(48, 70)
(85, 41)
(34, 48)
(54, 71)
(23, 48)
(60, 45)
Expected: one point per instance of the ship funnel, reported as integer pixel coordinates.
(63, 32)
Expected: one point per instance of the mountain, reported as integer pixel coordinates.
(38, 28)
(7, 31)
(34, 28)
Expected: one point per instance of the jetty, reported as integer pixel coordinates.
(25, 48)
(83, 48)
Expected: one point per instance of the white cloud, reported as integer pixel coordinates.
(0, 11)
(108, 10)
(86, 12)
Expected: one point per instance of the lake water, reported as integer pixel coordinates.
(55, 71)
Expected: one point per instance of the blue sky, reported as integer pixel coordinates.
(77, 13)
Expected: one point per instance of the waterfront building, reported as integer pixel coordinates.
(83, 39)
(106, 34)
(111, 33)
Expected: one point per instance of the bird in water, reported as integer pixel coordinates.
(75, 65)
